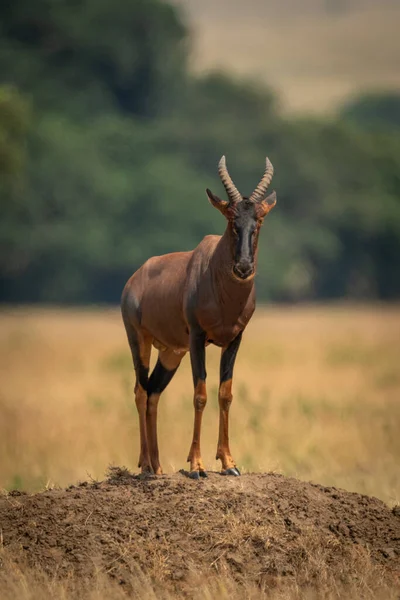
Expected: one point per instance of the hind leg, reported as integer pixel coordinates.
(166, 367)
(140, 344)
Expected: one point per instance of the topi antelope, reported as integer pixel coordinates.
(184, 301)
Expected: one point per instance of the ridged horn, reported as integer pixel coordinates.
(262, 187)
(233, 193)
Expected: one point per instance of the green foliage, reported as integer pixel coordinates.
(90, 55)
(110, 165)
(14, 123)
(375, 110)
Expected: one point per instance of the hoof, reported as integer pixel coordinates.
(147, 473)
(197, 474)
(234, 472)
(193, 474)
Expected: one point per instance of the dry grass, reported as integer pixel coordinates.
(370, 583)
(315, 396)
(314, 59)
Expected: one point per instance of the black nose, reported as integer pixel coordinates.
(243, 270)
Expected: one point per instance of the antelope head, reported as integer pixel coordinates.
(245, 216)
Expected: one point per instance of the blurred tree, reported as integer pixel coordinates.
(92, 55)
(14, 126)
(100, 201)
(110, 164)
(14, 122)
(374, 110)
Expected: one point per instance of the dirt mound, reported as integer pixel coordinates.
(259, 528)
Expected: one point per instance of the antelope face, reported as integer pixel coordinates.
(245, 217)
(245, 227)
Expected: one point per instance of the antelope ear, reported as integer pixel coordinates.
(267, 204)
(221, 205)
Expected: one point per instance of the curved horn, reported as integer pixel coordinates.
(262, 187)
(232, 191)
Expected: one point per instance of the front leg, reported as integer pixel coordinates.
(228, 358)
(198, 361)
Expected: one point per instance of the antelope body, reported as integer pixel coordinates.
(183, 301)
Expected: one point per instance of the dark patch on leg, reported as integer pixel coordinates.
(197, 356)
(228, 359)
(143, 375)
(159, 379)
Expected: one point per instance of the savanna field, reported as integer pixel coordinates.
(316, 397)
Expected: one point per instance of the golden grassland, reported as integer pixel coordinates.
(316, 396)
(26, 584)
(313, 58)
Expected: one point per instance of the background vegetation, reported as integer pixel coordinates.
(107, 142)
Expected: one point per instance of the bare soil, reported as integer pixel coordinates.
(258, 529)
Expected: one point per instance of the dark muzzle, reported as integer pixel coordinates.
(243, 269)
